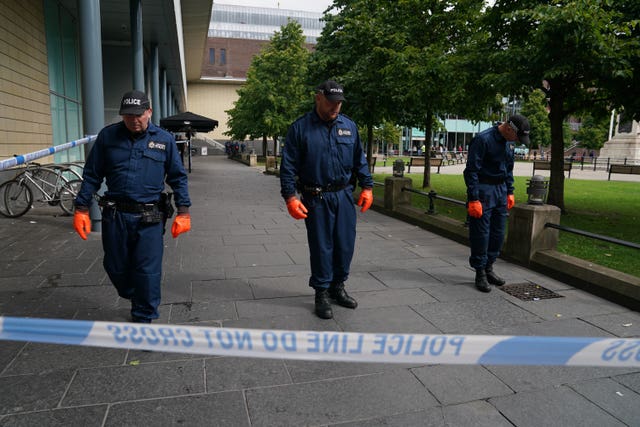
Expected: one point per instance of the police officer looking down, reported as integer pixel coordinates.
(489, 179)
(322, 153)
(135, 157)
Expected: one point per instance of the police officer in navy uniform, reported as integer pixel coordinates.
(135, 157)
(489, 179)
(322, 153)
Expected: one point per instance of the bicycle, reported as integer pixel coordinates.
(17, 195)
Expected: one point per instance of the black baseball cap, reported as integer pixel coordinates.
(332, 91)
(134, 102)
(521, 125)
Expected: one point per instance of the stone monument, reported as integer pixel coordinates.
(625, 144)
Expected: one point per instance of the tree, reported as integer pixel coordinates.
(275, 91)
(354, 50)
(534, 109)
(583, 48)
(396, 60)
(593, 132)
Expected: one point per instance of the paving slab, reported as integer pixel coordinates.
(452, 384)
(219, 409)
(341, 400)
(619, 401)
(553, 407)
(86, 416)
(134, 382)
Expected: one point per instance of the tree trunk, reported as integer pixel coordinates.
(556, 181)
(264, 145)
(275, 145)
(426, 178)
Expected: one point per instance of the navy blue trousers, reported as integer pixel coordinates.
(486, 234)
(133, 260)
(331, 233)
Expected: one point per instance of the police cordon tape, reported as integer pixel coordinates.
(329, 346)
(24, 158)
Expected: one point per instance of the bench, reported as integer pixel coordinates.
(419, 161)
(448, 158)
(546, 166)
(626, 169)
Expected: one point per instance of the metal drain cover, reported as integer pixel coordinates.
(529, 291)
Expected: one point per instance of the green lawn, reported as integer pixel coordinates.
(609, 208)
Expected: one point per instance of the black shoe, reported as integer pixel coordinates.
(493, 278)
(136, 319)
(481, 281)
(340, 296)
(323, 306)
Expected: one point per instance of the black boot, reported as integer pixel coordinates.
(337, 293)
(323, 306)
(492, 277)
(481, 281)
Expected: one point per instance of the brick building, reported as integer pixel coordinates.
(236, 35)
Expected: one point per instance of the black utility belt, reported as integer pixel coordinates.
(319, 189)
(489, 180)
(128, 207)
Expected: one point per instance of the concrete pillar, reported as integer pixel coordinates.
(163, 94)
(137, 52)
(155, 85)
(527, 233)
(92, 83)
(393, 194)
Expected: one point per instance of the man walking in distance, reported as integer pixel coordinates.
(322, 153)
(135, 157)
(489, 179)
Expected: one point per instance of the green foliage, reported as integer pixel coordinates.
(535, 109)
(386, 133)
(583, 48)
(275, 91)
(594, 132)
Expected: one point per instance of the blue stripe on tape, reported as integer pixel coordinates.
(19, 160)
(534, 351)
(41, 330)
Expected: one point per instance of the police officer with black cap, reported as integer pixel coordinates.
(489, 179)
(322, 153)
(136, 158)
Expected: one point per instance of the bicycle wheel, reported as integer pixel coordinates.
(68, 194)
(15, 199)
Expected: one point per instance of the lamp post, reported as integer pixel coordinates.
(537, 190)
(398, 168)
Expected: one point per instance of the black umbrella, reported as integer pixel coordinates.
(185, 122)
(189, 123)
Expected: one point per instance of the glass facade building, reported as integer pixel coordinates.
(63, 57)
(259, 23)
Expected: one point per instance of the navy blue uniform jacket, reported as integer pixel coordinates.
(135, 168)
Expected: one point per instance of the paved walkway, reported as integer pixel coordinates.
(245, 264)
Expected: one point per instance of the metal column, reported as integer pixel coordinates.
(137, 50)
(163, 94)
(92, 82)
(155, 85)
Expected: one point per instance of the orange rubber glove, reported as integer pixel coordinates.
(511, 200)
(475, 209)
(82, 223)
(296, 208)
(181, 224)
(365, 200)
